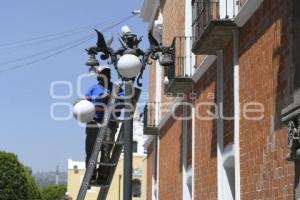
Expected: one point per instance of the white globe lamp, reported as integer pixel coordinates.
(84, 111)
(129, 65)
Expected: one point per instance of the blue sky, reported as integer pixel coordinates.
(26, 127)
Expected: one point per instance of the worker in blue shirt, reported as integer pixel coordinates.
(99, 95)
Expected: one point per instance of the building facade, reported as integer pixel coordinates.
(219, 118)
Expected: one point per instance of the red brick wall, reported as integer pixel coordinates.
(149, 171)
(174, 25)
(170, 165)
(170, 161)
(206, 139)
(174, 17)
(265, 76)
(170, 182)
(152, 82)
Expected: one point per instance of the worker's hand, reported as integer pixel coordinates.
(105, 95)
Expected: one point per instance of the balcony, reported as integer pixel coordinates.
(212, 25)
(178, 78)
(151, 117)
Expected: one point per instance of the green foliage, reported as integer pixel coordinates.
(54, 192)
(16, 182)
(34, 191)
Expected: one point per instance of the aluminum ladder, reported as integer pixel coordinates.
(116, 151)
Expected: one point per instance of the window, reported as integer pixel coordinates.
(134, 146)
(189, 184)
(228, 174)
(136, 188)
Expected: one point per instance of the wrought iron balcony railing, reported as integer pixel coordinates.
(178, 77)
(212, 24)
(203, 12)
(151, 118)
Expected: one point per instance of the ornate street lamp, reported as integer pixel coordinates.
(130, 62)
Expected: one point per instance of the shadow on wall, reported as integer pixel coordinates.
(165, 130)
(283, 59)
(266, 42)
(213, 145)
(281, 69)
(206, 89)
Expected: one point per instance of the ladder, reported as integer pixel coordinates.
(116, 151)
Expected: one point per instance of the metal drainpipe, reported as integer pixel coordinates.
(236, 85)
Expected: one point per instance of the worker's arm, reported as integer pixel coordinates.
(88, 96)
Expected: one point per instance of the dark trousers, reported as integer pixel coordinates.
(91, 135)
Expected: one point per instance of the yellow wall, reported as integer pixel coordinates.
(116, 189)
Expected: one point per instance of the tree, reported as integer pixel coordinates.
(34, 191)
(16, 182)
(54, 192)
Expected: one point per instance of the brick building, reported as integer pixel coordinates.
(217, 118)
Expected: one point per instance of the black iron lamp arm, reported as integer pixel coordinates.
(129, 44)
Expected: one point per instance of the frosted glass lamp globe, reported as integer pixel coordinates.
(129, 66)
(84, 111)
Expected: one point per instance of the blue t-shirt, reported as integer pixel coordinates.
(99, 96)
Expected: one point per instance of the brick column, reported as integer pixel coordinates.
(291, 114)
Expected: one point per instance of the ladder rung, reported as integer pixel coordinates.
(104, 186)
(107, 164)
(112, 142)
(98, 185)
(116, 120)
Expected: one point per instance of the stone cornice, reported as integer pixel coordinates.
(149, 10)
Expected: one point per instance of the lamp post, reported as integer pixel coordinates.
(129, 66)
(130, 62)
